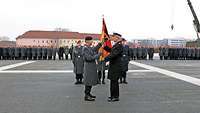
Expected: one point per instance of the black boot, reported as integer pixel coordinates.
(88, 98)
(92, 96)
(125, 82)
(80, 81)
(103, 82)
(120, 80)
(77, 82)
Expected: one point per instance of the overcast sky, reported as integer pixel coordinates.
(132, 18)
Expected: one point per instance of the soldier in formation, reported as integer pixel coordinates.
(77, 60)
(141, 53)
(1, 52)
(66, 51)
(179, 53)
(125, 61)
(61, 53)
(150, 53)
(32, 53)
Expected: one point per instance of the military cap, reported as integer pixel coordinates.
(88, 38)
(78, 41)
(123, 39)
(117, 34)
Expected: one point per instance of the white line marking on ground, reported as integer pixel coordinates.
(15, 65)
(59, 71)
(138, 71)
(37, 71)
(183, 77)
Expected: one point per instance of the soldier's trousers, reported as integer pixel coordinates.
(60, 57)
(54, 57)
(35, 58)
(66, 57)
(4, 58)
(161, 57)
(79, 77)
(165, 57)
(123, 76)
(134, 58)
(49, 57)
(100, 75)
(114, 88)
(30, 58)
(71, 56)
(131, 57)
(150, 57)
(23, 58)
(39, 57)
(87, 90)
(44, 57)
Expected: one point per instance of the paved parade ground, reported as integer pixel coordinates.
(48, 87)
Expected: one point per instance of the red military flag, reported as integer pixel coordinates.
(104, 35)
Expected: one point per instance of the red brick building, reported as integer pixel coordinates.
(52, 38)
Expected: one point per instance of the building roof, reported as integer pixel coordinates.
(56, 35)
(7, 44)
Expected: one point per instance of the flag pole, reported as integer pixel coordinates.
(102, 58)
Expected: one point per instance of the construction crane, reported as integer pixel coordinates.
(195, 22)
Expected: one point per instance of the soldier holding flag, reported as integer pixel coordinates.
(115, 67)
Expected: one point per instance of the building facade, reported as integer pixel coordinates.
(179, 42)
(175, 42)
(52, 38)
(7, 44)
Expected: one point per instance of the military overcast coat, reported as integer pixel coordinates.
(1, 50)
(115, 67)
(49, 52)
(39, 52)
(125, 58)
(54, 51)
(90, 68)
(77, 59)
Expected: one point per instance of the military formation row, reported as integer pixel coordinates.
(141, 53)
(20, 53)
(179, 53)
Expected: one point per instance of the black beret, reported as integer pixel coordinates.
(123, 39)
(117, 34)
(88, 38)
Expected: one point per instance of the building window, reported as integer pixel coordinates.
(43, 41)
(51, 41)
(38, 41)
(55, 41)
(33, 40)
(47, 41)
